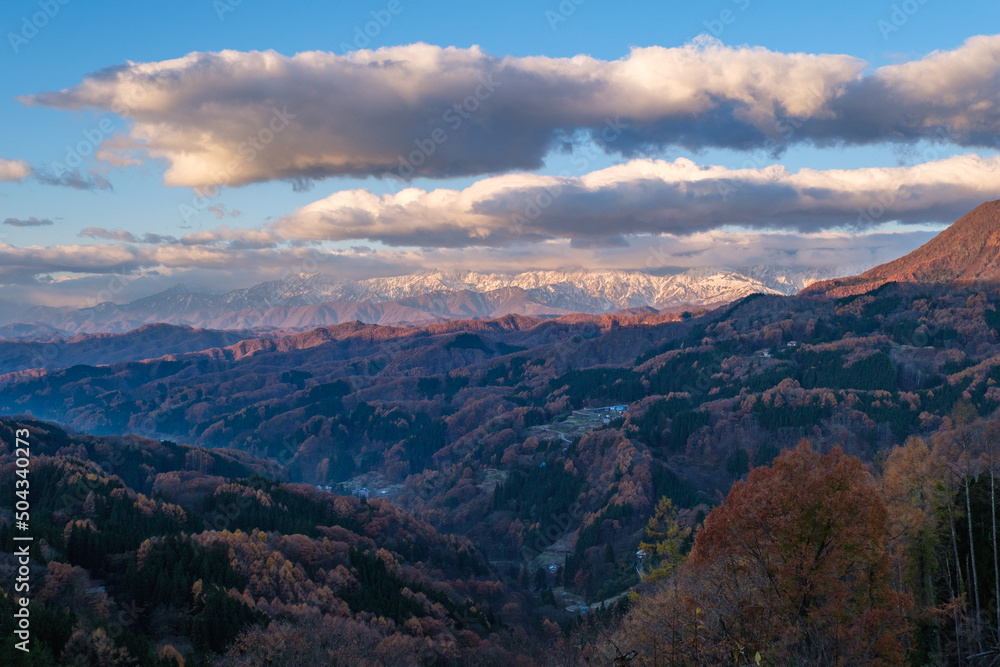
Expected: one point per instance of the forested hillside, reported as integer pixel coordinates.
(549, 446)
(816, 560)
(153, 553)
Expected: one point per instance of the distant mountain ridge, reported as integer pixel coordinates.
(967, 251)
(606, 290)
(147, 342)
(316, 300)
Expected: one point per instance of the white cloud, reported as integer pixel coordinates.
(648, 197)
(644, 214)
(14, 170)
(235, 117)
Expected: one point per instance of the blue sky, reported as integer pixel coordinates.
(81, 38)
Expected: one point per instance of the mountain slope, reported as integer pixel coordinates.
(162, 551)
(968, 251)
(310, 301)
(481, 429)
(147, 342)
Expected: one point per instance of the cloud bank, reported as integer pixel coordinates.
(419, 110)
(646, 214)
(643, 197)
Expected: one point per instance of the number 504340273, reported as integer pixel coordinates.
(22, 454)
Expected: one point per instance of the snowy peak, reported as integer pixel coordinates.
(309, 301)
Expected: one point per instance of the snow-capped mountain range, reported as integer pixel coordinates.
(308, 301)
(578, 291)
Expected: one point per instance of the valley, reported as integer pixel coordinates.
(524, 334)
(550, 451)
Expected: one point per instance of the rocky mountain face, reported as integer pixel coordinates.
(308, 301)
(968, 252)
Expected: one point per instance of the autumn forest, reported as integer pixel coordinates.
(780, 481)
